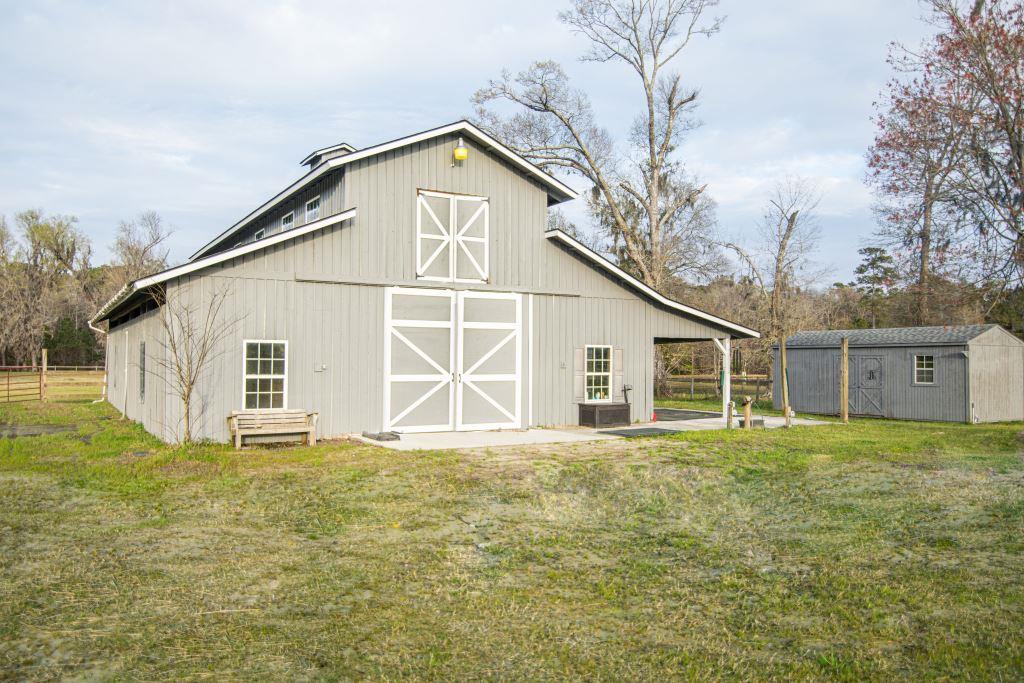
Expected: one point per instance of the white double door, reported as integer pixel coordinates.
(452, 360)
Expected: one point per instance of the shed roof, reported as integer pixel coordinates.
(891, 336)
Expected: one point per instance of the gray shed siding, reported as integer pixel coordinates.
(814, 382)
(996, 360)
(324, 293)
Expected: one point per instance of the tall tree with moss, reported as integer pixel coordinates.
(649, 209)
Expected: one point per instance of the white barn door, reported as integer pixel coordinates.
(419, 357)
(452, 360)
(488, 381)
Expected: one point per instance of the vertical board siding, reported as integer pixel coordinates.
(996, 361)
(814, 382)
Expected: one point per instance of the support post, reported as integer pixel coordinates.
(748, 412)
(784, 367)
(727, 378)
(42, 378)
(693, 368)
(844, 380)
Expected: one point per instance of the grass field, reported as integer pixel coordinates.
(873, 551)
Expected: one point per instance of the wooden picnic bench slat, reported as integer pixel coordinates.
(267, 422)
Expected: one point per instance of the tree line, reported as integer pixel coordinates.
(49, 286)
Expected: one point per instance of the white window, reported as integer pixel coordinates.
(258, 235)
(266, 382)
(452, 237)
(924, 369)
(313, 209)
(599, 374)
(287, 221)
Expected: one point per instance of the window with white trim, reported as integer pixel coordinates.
(599, 374)
(924, 369)
(313, 209)
(287, 221)
(258, 235)
(265, 374)
(452, 237)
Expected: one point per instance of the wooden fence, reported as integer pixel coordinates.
(50, 382)
(709, 386)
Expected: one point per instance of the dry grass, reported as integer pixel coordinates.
(875, 551)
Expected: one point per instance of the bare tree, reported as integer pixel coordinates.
(193, 335)
(640, 194)
(782, 267)
(140, 246)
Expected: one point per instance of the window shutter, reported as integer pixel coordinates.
(617, 375)
(578, 376)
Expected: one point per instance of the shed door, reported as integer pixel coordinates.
(867, 375)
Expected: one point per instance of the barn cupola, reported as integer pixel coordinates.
(316, 158)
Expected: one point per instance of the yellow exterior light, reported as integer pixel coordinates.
(461, 151)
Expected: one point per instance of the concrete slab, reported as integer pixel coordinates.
(717, 422)
(459, 440)
(464, 440)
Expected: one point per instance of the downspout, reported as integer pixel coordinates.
(106, 361)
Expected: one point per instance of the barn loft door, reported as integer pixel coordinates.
(452, 360)
(452, 234)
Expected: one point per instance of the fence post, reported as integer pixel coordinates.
(42, 378)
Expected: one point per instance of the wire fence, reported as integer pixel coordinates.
(709, 386)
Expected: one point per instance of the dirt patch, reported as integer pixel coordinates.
(17, 431)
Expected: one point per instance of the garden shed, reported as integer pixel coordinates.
(967, 373)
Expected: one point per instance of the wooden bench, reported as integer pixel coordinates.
(268, 422)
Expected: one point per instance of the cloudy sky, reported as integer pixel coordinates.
(201, 110)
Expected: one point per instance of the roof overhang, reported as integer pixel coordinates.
(557, 190)
(131, 288)
(735, 330)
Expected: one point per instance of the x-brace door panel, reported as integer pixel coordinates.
(488, 373)
(419, 358)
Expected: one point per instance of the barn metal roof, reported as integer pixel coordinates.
(890, 336)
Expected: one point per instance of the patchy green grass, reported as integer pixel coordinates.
(869, 551)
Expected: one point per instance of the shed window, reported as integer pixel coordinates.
(924, 369)
(313, 209)
(265, 374)
(287, 220)
(142, 372)
(599, 374)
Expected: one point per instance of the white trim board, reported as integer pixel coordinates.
(219, 257)
(607, 265)
(560, 190)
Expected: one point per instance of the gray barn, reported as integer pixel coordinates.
(399, 288)
(971, 373)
